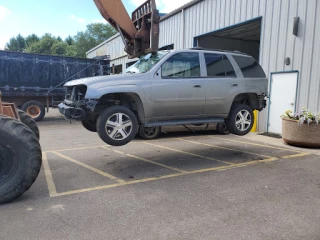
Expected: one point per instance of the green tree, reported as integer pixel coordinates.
(76, 46)
(69, 40)
(44, 45)
(17, 43)
(31, 39)
(95, 34)
(59, 48)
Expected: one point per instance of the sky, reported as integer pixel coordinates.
(58, 17)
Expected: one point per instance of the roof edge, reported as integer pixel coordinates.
(103, 43)
(174, 12)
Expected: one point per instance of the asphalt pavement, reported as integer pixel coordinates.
(180, 186)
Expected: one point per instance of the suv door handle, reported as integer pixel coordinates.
(235, 85)
(197, 86)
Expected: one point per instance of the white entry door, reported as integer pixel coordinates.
(282, 98)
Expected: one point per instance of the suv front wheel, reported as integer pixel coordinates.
(117, 125)
(240, 120)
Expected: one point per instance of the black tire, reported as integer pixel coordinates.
(149, 133)
(20, 158)
(89, 126)
(27, 120)
(35, 110)
(222, 129)
(111, 114)
(233, 118)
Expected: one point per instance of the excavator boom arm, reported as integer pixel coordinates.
(140, 34)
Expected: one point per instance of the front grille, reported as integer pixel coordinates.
(76, 93)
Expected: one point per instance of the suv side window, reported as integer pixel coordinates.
(229, 68)
(215, 65)
(182, 65)
(218, 65)
(249, 67)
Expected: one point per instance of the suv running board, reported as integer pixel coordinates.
(184, 122)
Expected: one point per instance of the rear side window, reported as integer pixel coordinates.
(249, 67)
(182, 65)
(218, 66)
(215, 66)
(229, 68)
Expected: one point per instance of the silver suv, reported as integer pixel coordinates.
(179, 87)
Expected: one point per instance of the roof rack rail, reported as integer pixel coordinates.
(218, 50)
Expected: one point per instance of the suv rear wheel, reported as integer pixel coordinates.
(240, 119)
(149, 133)
(117, 126)
(222, 129)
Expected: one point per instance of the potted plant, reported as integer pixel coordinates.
(301, 129)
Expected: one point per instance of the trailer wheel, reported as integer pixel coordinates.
(20, 158)
(27, 120)
(34, 109)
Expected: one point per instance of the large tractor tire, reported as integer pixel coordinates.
(34, 109)
(27, 120)
(20, 158)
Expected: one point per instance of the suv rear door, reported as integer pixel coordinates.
(221, 81)
(178, 89)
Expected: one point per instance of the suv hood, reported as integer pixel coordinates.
(109, 79)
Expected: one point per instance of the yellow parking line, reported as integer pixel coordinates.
(80, 148)
(89, 167)
(72, 149)
(47, 172)
(230, 149)
(188, 153)
(146, 160)
(256, 144)
(222, 168)
(296, 155)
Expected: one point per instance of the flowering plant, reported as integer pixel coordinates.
(304, 116)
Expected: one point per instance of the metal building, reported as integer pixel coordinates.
(283, 35)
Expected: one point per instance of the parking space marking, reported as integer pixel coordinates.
(47, 172)
(296, 155)
(89, 167)
(80, 148)
(256, 144)
(221, 168)
(188, 153)
(230, 149)
(145, 160)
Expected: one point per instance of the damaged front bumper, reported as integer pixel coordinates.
(77, 110)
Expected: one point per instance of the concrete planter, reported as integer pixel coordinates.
(301, 136)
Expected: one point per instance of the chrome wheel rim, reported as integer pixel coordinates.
(243, 120)
(119, 126)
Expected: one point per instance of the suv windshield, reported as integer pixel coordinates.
(145, 63)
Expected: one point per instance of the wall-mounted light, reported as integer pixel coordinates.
(296, 26)
(287, 61)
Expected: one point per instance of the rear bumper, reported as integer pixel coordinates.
(72, 112)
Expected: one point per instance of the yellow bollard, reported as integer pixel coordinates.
(254, 128)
